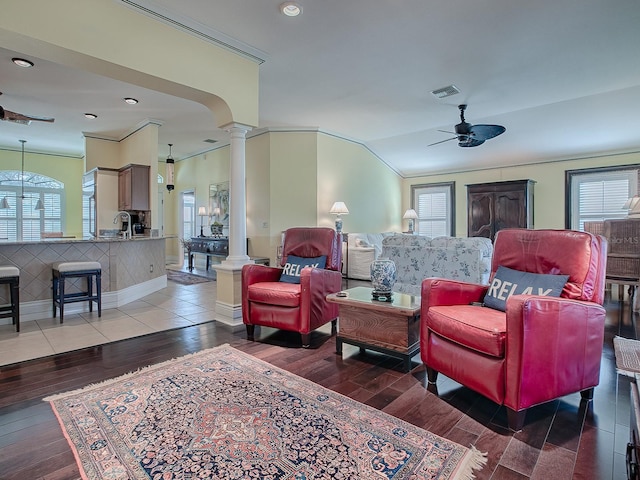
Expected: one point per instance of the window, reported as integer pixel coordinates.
(435, 205)
(21, 221)
(598, 194)
(188, 214)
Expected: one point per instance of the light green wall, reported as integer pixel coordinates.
(548, 194)
(259, 229)
(293, 180)
(67, 170)
(350, 173)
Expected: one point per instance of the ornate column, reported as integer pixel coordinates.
(228, 272)
(237, 197)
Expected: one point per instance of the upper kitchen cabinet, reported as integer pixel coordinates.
(133, 187)
(494, 206)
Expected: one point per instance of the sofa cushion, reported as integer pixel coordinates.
(507, 282)
(293, 267)
(479, 328)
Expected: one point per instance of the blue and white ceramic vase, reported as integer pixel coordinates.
(383, 275)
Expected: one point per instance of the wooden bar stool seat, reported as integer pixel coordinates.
(10, 275)
(62, 271)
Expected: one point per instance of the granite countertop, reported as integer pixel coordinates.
(86, 240)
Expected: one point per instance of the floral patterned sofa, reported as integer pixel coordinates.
(456, 258)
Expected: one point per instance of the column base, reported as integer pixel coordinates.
(230, 315)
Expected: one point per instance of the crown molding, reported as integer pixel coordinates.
(192, 27)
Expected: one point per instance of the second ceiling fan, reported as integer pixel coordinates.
(471, 135)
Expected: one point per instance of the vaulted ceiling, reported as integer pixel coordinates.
(563, 77)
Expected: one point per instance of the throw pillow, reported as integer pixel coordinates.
(362, 243)
(507, 282)
(294, 265)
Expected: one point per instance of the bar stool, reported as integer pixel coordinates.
(65, 270)
(11, 276)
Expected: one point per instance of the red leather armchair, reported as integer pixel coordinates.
(289, 306)
(540, 348)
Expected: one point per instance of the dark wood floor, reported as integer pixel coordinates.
(561, 440)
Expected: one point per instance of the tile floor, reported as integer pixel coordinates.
(172, 307)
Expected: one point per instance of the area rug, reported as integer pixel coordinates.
(627, 353)
(185, 278)
(224, 414)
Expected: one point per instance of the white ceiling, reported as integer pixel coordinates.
(563, 77)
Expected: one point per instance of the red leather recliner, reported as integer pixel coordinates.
(289, 306)
(541, 348)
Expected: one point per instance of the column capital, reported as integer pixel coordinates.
(235, 128)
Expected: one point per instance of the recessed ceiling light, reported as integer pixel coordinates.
(91, 116)
(290, 9)
(21, 62)
(130, 101)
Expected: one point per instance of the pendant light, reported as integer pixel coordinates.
(170, 170)
(22, 171)
(39, 204)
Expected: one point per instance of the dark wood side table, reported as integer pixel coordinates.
(392, 328)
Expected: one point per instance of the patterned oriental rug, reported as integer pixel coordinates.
(224, 414)
(184, 278)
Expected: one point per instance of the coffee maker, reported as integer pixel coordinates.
(136, 224)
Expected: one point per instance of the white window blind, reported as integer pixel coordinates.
(21, 221)
(598, 196)
(433, 204)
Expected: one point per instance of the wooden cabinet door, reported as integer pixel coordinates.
(480, 214)
(509, 210)
(124, 189)
(133, 188)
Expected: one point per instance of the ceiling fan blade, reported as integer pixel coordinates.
(20, 118)
(485, 132)
(442, 141)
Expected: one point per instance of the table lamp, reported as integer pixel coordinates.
(338, 209)
(202, 211)
(410, 215)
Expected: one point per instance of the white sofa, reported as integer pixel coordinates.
(418, 257)
(363, 248)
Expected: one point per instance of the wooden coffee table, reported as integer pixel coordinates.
(392, 328)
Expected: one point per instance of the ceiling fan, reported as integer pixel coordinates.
(471, 135)
(20, 118)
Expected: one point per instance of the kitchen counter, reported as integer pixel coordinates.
(86, 240)
(131, 269)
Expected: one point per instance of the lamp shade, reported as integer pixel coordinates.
(202, 211)
(216, 211)
(410, 214)
(4, 204)
(39, 205)
(339, 208)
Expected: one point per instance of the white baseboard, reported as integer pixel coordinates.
(41, 309)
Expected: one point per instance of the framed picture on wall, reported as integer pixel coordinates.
(219, 203)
